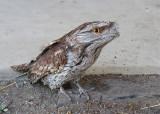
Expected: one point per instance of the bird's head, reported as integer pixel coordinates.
(99, 32)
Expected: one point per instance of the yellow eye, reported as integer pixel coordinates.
(96, 30)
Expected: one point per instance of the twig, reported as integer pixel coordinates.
(151, 106)
(3, 87)
(21, 75)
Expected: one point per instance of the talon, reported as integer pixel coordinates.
(61, 90)
(90, 89)
(83, 91)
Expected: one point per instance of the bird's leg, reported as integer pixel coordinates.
(82, 90)
(61, 90)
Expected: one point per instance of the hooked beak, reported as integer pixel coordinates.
(113, 30)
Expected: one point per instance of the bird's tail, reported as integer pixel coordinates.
(21, 68)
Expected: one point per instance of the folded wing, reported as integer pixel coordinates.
(51, 61)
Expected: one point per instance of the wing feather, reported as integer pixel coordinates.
(50, 61)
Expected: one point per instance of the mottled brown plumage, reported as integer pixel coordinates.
(50, 61)
(67, 58)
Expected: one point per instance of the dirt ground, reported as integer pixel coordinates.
(112, 94)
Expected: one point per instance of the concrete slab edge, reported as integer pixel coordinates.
(7, 73)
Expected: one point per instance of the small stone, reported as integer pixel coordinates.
(43, 105)
(5, 110)
(69, 112)
(31, 97)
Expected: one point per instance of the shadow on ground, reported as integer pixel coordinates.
(111, 94)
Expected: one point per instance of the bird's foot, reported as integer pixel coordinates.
(61, 90)
(83, 91)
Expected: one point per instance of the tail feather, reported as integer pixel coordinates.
(21, 68)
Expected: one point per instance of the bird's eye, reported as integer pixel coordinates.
(96, 30)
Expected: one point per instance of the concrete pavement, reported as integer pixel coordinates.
(26, 26)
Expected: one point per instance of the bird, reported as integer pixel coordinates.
(67, 58)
